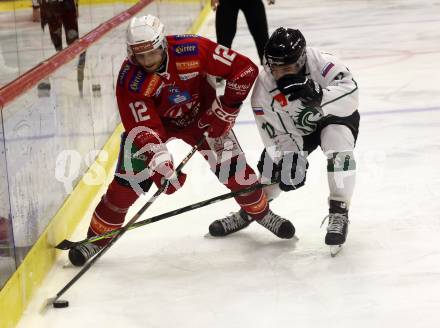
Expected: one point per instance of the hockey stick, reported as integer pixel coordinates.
(67, 244)
(88, 265)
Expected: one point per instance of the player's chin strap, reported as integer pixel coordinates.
(120, 232)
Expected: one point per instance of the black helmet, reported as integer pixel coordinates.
(285, 46)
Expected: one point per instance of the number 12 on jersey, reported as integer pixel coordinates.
(223, 54)
(139, 110)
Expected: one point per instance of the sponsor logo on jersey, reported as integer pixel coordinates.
(281, 99)
(188, 65)
(100, 226)
(172, 88)
(185, 36)
(123, 74)
(244, 73)
(243, 88)
(175, 112)
(152, 85)
(188, 76)
(183, 115)
(137, 80)
(258, 110)
(186, 49)
(159, 89)
(327, 68)
(179, 97)
(240, 89)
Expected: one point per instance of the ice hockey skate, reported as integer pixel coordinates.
(230, 224)
(80, 254)
(279, 226)
(337, 228)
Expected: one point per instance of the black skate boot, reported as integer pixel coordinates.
(80, 254)
(230, 224)
(282, 228)
(337, 223)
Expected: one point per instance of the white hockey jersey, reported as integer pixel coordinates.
(283, 123)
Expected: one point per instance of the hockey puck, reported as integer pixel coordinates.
(60, 304)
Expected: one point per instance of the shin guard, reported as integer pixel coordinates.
(111, 210)
(253, 203)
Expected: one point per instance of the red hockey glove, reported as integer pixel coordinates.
(165, 171)
(219, 119)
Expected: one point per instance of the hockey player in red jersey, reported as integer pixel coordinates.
(164, 91)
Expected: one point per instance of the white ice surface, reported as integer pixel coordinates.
(168, 274)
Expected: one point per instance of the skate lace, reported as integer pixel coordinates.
(233, 221)
(88, 250)
(272, 222)
(336, 222)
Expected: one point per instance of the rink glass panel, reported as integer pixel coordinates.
(7, 258)
(23, 43)
(52, 133)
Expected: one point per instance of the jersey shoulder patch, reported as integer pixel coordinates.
(327, 68)
(258, 111)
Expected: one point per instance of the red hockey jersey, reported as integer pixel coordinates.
(170, 103)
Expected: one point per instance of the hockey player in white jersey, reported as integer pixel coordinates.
(304, 99)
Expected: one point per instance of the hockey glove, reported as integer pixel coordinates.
(219, 119)
(300, 87)
(165, 172)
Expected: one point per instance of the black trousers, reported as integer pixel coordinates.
(58, 14)
(226, 22)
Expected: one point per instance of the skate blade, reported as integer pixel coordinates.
(334, 250)
(209, 236)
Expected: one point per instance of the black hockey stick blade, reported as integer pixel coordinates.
(53, 301)
(48, 302)
(67, 244)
